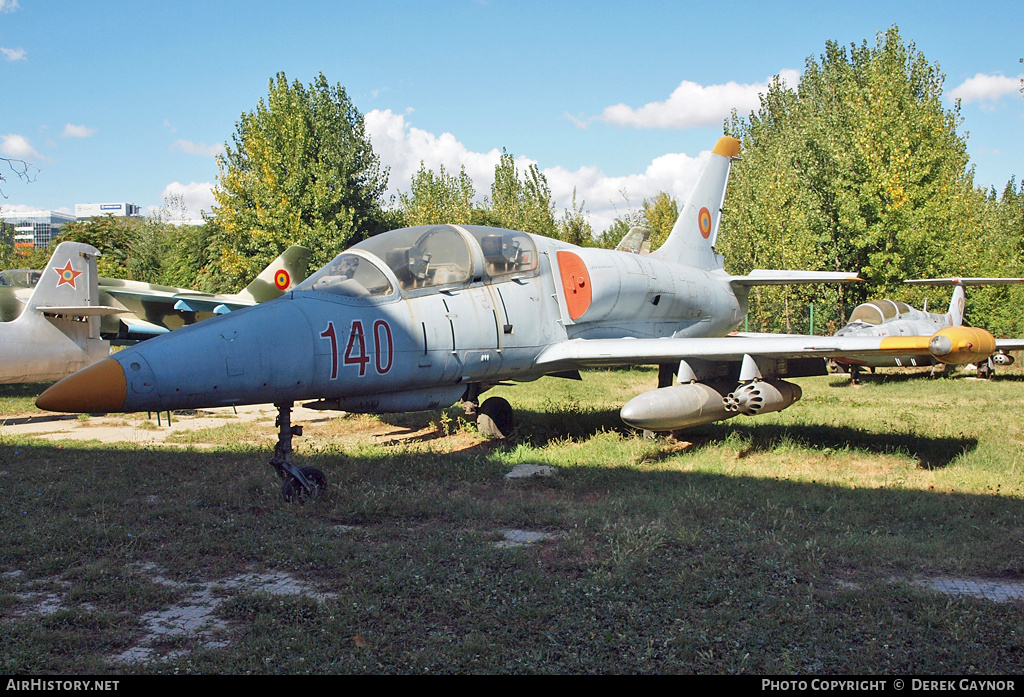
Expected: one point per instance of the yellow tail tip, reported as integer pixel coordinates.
(727, 146)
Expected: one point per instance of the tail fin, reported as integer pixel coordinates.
(69, 280)
(956, 306)
(957, 302)
(693, 237)
(280, 276)
(636, 241)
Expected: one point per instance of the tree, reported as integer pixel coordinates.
(520, 203)
(659, 215)
(300, 170)
(114, 237)
(23, 170)
(438, 198)
(860, 168)
(574, 226)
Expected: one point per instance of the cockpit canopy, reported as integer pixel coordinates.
(426, 256)
(878, 311)
(20, 277)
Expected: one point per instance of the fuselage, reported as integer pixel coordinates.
(888, 318)
(406, 320)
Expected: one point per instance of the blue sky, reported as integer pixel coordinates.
(119, 101)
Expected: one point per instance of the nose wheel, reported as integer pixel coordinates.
(300, 484)
(494, 418)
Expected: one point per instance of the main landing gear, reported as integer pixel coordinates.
(301, 484)
(493, 418)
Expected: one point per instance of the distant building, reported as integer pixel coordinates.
(37, 228)
(119, 210)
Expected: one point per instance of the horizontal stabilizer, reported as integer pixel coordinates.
(80, 310)
(771, 277)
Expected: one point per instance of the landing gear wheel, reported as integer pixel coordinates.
(494, 418)
(293, 491)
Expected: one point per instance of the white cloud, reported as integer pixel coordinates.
(72, 131)
(21, 208)
(16, 146)
(13, 54)
(8, 5)
(197, 197)
(402, 146)
(692, 105)
(201, 149)
(986, 89)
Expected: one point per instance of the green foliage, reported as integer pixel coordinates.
(574, 226)
(438, 199)
(300, 170)
(115, 238)
(659, 214)
(858, 169)
(520, 203)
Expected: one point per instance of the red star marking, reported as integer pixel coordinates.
(67, 275)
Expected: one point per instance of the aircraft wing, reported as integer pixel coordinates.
(205, 302)
(1010, 344)
(184, 302)
(595, 353)
(771, 277)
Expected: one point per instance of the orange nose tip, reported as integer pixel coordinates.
(99, 388)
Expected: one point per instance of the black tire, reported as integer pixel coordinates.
(494, 418)
(292, 490)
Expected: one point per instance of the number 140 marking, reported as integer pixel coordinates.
(355, 351)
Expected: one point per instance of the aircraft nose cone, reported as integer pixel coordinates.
(101, 387)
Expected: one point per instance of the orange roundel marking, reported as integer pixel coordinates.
(575, 283)
(704, 222)
(282, 279)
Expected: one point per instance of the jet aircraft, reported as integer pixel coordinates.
(57, 332)
(420, 318)
(155, 309)
(894, 318)
(151, 309)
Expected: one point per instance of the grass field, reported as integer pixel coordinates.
(823, 539)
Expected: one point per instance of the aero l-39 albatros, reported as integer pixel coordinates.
(420, 318)
(894, 318)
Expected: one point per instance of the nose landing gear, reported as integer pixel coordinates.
(301, 484)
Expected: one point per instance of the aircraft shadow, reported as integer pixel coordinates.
(539, 429)
(838, 380)
(40, 419)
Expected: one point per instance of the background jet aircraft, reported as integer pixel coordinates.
(894, 318)
(151, 309)
(420, 318)
(154, 309)
(57, 333)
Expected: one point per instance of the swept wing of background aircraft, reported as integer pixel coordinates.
(420, 318)
(894, 318)
(151, 309)
(58, 331)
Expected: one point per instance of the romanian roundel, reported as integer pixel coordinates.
(282, 279)
(704, 222)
